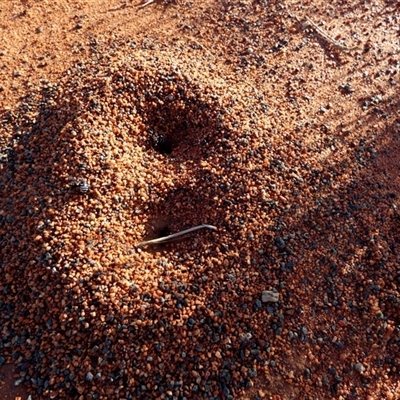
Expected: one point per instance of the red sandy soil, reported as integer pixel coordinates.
(304, 190)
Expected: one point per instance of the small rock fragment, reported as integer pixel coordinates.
(89, 376)
(19, 381)
(359, 367)
(280, 243)
(268, 296)
(346, 88)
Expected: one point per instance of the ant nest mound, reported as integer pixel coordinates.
(96, 163)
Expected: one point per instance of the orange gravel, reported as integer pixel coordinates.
(121, 124)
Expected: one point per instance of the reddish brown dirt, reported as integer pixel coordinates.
(8, 390)
(280, 136)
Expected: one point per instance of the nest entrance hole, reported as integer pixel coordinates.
(161, 143)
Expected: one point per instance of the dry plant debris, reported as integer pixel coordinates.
(174, 236)
(289, 149)
(323, 34)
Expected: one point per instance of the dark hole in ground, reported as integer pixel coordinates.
(180, 124)
(161, 143)
(164, 231)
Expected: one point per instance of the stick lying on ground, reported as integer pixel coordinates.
(175, 235)
(324, 35)
(146, 3)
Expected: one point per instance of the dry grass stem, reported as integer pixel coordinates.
(146, 3)
(325, 35)
(168, 238)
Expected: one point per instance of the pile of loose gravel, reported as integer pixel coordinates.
(116, 152)
(127, 148)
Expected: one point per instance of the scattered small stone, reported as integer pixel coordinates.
(346, 88)
(293, 335)
(304, 330)
(359, 367)
(246, 336)
(19, 381)
(280, 243)
(269, 296)
(257, 305)
(252, 372)
(89, 376)
(84, 187)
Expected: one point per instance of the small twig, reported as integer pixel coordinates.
(200, 45)
(175, 235)
(146, 4)
(325, 36)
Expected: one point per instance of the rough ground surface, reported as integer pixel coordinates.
(120, 124)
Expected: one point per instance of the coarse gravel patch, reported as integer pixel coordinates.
(85, 180)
